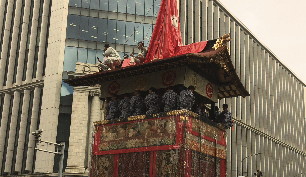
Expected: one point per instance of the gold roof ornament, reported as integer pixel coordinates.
(222, 41)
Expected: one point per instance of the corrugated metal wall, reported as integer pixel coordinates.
(276, 105)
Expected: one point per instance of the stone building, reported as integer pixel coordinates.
(42, 41)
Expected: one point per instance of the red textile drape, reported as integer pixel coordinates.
(166, 40)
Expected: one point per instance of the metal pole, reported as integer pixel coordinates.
(61, 162)
(37, 135)
(246, 158)
(215, 137)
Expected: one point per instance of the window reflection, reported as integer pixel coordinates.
(138, 32)
(147, 34)
(138, 7)
(99, 54)
(75, 3)
(122, 54)
(93, 29)
(120, 37)
(91, 56)
(94, 4)
(66, 89)
(71, 56)
(111, 31)
(149, 8)
(112, 5)
(82, 55)
(74, 54)
(130, 6)
(130, 34)
(85, 3)
(102, 30)
(104, 5)
(84, 28)
(73, 26)
(122, 6)
(156, 7)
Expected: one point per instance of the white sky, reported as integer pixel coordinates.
(279, 24)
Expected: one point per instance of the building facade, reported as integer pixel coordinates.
(42, 41)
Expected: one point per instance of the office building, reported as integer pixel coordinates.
(42, 40)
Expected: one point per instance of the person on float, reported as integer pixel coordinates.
(112, 108)
(111, 57)
(187, 98)
(225, 117)
(152, 102)
(124, 106)
(202, 111)
(170, 100)
(137, 106)
(102, 66)
(140, 58)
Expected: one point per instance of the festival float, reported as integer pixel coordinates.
(176, 142)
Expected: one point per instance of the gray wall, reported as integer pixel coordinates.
(23, 43)
(272, 119)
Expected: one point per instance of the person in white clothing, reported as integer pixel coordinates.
(111, 57)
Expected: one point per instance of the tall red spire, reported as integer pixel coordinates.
(166, 34)
(166, 40)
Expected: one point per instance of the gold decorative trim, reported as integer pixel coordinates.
(102, 122)
(180, 112)
(222, 41)
(140, 117)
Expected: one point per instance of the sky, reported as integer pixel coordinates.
(280, 25)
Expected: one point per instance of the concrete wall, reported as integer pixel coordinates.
(30, 80)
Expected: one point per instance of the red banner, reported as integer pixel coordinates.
(166, 40)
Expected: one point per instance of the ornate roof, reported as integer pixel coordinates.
(215, 65)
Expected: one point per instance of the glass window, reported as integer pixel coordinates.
(91, 56)
(156, 7)
(73, 26)
(112, 6)
(94, 4)
(138, 32)
(82, 55)
(140, 6)
(93, 29)
(120, 37)
(147, 33)
(121, 55)
(149, 8)
(102, 30)
(84, 28)
(122, 6)
(111, 29)
(104, 5)
(85, 3)
(130, 6)
(130, 33)
(70, 58)
(66, 89)
(99, 53)
(75, 3)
